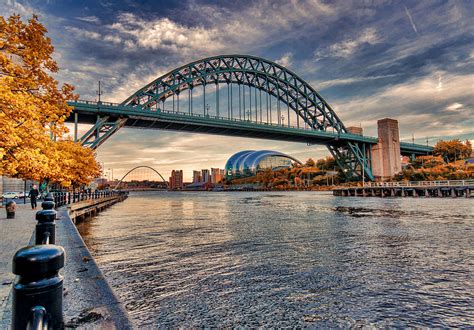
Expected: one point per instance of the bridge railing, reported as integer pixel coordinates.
(66, 198)
(183, 113)
(439, 183)
(96, 103)
(199, 115)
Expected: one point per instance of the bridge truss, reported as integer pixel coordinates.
(250, 96)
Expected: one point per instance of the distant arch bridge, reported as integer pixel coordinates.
(135, 168)
(250, 97)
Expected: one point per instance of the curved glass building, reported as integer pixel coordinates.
(249, 162)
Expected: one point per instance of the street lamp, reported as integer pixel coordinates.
(282, 120)
(112, 170)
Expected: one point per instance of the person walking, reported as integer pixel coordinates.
(33, 195)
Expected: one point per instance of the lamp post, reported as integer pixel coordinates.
(282, 120)
(112, 171)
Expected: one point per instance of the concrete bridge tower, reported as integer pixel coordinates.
(386, 161)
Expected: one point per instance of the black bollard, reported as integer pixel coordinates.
(46, 224)
(10, 207)
(38, 289)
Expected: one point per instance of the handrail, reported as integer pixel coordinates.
(66, 198)
(437, 183)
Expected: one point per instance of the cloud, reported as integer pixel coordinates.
(419, 105)
(165, 34)
(82, 33)
(285, 60)
(456, 106)
(349, 81)
(89, 19)
(10, 7)
(348, 47)
(411, 20)
(220, 29)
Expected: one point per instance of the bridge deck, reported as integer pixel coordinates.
(193, 122)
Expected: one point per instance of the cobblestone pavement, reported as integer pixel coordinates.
(14, 234)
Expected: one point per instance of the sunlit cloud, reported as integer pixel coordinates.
(348, 47)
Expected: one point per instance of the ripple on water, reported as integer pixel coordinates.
(296, 259)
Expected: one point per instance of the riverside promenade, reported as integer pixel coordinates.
(14, 234)
(89, 301)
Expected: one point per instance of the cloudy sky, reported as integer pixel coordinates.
(408, 60)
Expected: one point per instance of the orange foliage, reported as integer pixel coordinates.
(33, 108)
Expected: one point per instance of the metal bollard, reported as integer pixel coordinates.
(11, 209)
(46, 224)
(38, 289)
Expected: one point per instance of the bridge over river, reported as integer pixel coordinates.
(251, 97)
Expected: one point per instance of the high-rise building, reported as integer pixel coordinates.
(205, 177)
(196, 176)
(216, 175)
(176, 179)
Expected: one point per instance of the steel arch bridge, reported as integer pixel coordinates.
(135, 168)
(241, 111)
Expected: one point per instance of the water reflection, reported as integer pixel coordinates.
(287, 259)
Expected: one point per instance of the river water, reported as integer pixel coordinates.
(281, 259)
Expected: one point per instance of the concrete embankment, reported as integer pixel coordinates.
(89, 301)
(80, 210)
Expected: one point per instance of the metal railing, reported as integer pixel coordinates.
(62, 198)
(199, 115)
(439, 183)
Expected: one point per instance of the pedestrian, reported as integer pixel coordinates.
(33, 195)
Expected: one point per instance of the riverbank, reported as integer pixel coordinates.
(89, 301)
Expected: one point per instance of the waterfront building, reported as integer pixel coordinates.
(249, 162)
(196, 176)
(216, 175)
(8, 184)
(176, 179)
(205, 175)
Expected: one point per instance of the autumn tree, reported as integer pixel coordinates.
(452, 150)
(33, 109)
(329, 163)
(427, 161)
(310, 163)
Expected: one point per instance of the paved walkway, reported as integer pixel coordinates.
(14, 234)
(89, 302)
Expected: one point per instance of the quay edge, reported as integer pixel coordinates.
(446, 189)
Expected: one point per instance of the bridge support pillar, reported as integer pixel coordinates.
(386, 160)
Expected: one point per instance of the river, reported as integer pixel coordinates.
(287, 259)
